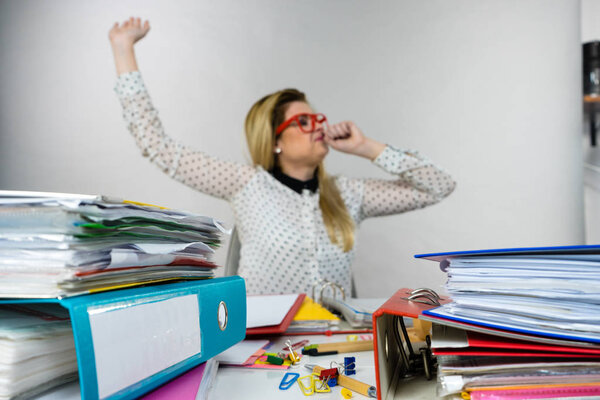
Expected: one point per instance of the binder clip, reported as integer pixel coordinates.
(293, 356)
(349, 366)
(328, 373)
(321, 386)
(288, 380)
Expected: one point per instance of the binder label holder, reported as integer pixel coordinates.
(131, 341)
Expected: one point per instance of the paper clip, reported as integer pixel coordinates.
(307, 390)
(288, 380)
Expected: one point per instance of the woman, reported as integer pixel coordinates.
(296, 224)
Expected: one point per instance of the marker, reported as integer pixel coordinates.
(337, 347)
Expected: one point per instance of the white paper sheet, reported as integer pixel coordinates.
(268, 310)
(239, 353)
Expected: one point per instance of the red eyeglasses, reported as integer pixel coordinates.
(306, 122)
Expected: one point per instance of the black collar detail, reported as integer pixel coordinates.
(296, 185)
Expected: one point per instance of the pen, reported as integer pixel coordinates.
(349, 383)
(337, 347)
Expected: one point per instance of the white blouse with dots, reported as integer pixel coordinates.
(284, 243)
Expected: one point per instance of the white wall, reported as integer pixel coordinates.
(488, 89)
(590, 31)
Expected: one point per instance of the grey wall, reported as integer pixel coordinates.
(488, 89)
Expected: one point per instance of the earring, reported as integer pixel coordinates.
(277, 150)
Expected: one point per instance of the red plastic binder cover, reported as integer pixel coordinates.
(474, 343)
(281, 328)
(386, 353)
(479, 344)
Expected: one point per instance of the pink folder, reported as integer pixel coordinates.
(479, 344)
(184, 387)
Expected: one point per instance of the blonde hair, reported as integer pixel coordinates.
(262, 119)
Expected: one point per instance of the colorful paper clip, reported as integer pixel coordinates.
(307, 390)
(288, 380)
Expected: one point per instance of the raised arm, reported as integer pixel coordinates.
(417, 184)
(194, 168)
(122, 39)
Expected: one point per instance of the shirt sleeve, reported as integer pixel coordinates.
(419, 183)
(196, 169)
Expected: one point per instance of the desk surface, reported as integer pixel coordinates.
(264, 384)
(232, 382)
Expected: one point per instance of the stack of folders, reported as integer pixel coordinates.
(62, 257)
(522, 323)
(57, 245)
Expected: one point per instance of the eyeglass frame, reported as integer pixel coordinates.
(295, 118)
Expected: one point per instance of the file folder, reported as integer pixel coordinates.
(282, 327)
(395, 357)
(514, 251)
(131, 341)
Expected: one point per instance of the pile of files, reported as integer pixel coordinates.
(58, 245)
(521, 322)
(36, 344)
(57, 249)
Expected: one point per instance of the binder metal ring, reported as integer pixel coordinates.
(222, 316)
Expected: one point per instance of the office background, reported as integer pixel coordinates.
(489, 90)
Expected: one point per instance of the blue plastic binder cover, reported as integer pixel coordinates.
(440, 312)
(523, 251)
(131, 341)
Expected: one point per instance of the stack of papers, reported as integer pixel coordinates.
(36, 347)
(54, 245)
(520, 319)
(556, 297)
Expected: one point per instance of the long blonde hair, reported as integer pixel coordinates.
(262, 119)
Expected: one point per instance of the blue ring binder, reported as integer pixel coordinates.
(210, 293)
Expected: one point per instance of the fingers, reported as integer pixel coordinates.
(340, 130)
(132, 23)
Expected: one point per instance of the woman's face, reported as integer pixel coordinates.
(298, 147)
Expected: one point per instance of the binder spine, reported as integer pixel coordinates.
(210, 314)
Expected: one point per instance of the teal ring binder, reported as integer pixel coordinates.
(210, 294)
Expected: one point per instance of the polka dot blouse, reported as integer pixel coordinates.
(284, 243)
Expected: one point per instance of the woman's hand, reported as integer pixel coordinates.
(122, 38)
(347, 138)
(129, 32)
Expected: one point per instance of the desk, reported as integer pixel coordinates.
(262, 384)
(232, 382)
